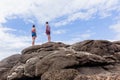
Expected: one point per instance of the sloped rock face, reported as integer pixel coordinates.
(86, 60)
(7, 64)
(99, 47)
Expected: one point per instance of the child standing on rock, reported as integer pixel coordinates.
(48, 32)
(34, 35)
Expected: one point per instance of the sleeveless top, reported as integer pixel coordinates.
(33, 32)
(48, 30)
(33, 29)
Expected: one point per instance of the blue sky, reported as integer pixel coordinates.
(70, 20)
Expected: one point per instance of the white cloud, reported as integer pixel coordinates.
(116, 29)
(86, 11)
(10, 8)
(10, 43)
(44, 10)
(59, 32)
(106, 8)
(79, 15)
(80, 37)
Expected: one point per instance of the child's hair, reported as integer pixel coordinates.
(46, 22)
(33, 25)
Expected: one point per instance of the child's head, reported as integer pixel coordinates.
(46, 22)
(33, 26)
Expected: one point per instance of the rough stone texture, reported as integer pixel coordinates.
(86, 60)
(98, 77)
(99, 47)
(29, 69)
(68, 74)
(6, 65)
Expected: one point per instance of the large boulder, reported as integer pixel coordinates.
(7, 64)
(99, 47)
(41, 50)
(86, 60)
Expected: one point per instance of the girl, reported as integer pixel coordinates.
(33, 31)
(48, 31)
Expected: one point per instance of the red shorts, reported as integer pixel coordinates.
(48, 32)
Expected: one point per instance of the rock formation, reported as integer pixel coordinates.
(86, 60)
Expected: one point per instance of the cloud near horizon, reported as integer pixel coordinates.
(11, 43)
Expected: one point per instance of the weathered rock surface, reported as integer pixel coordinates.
(86, 60)
(7, 64)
